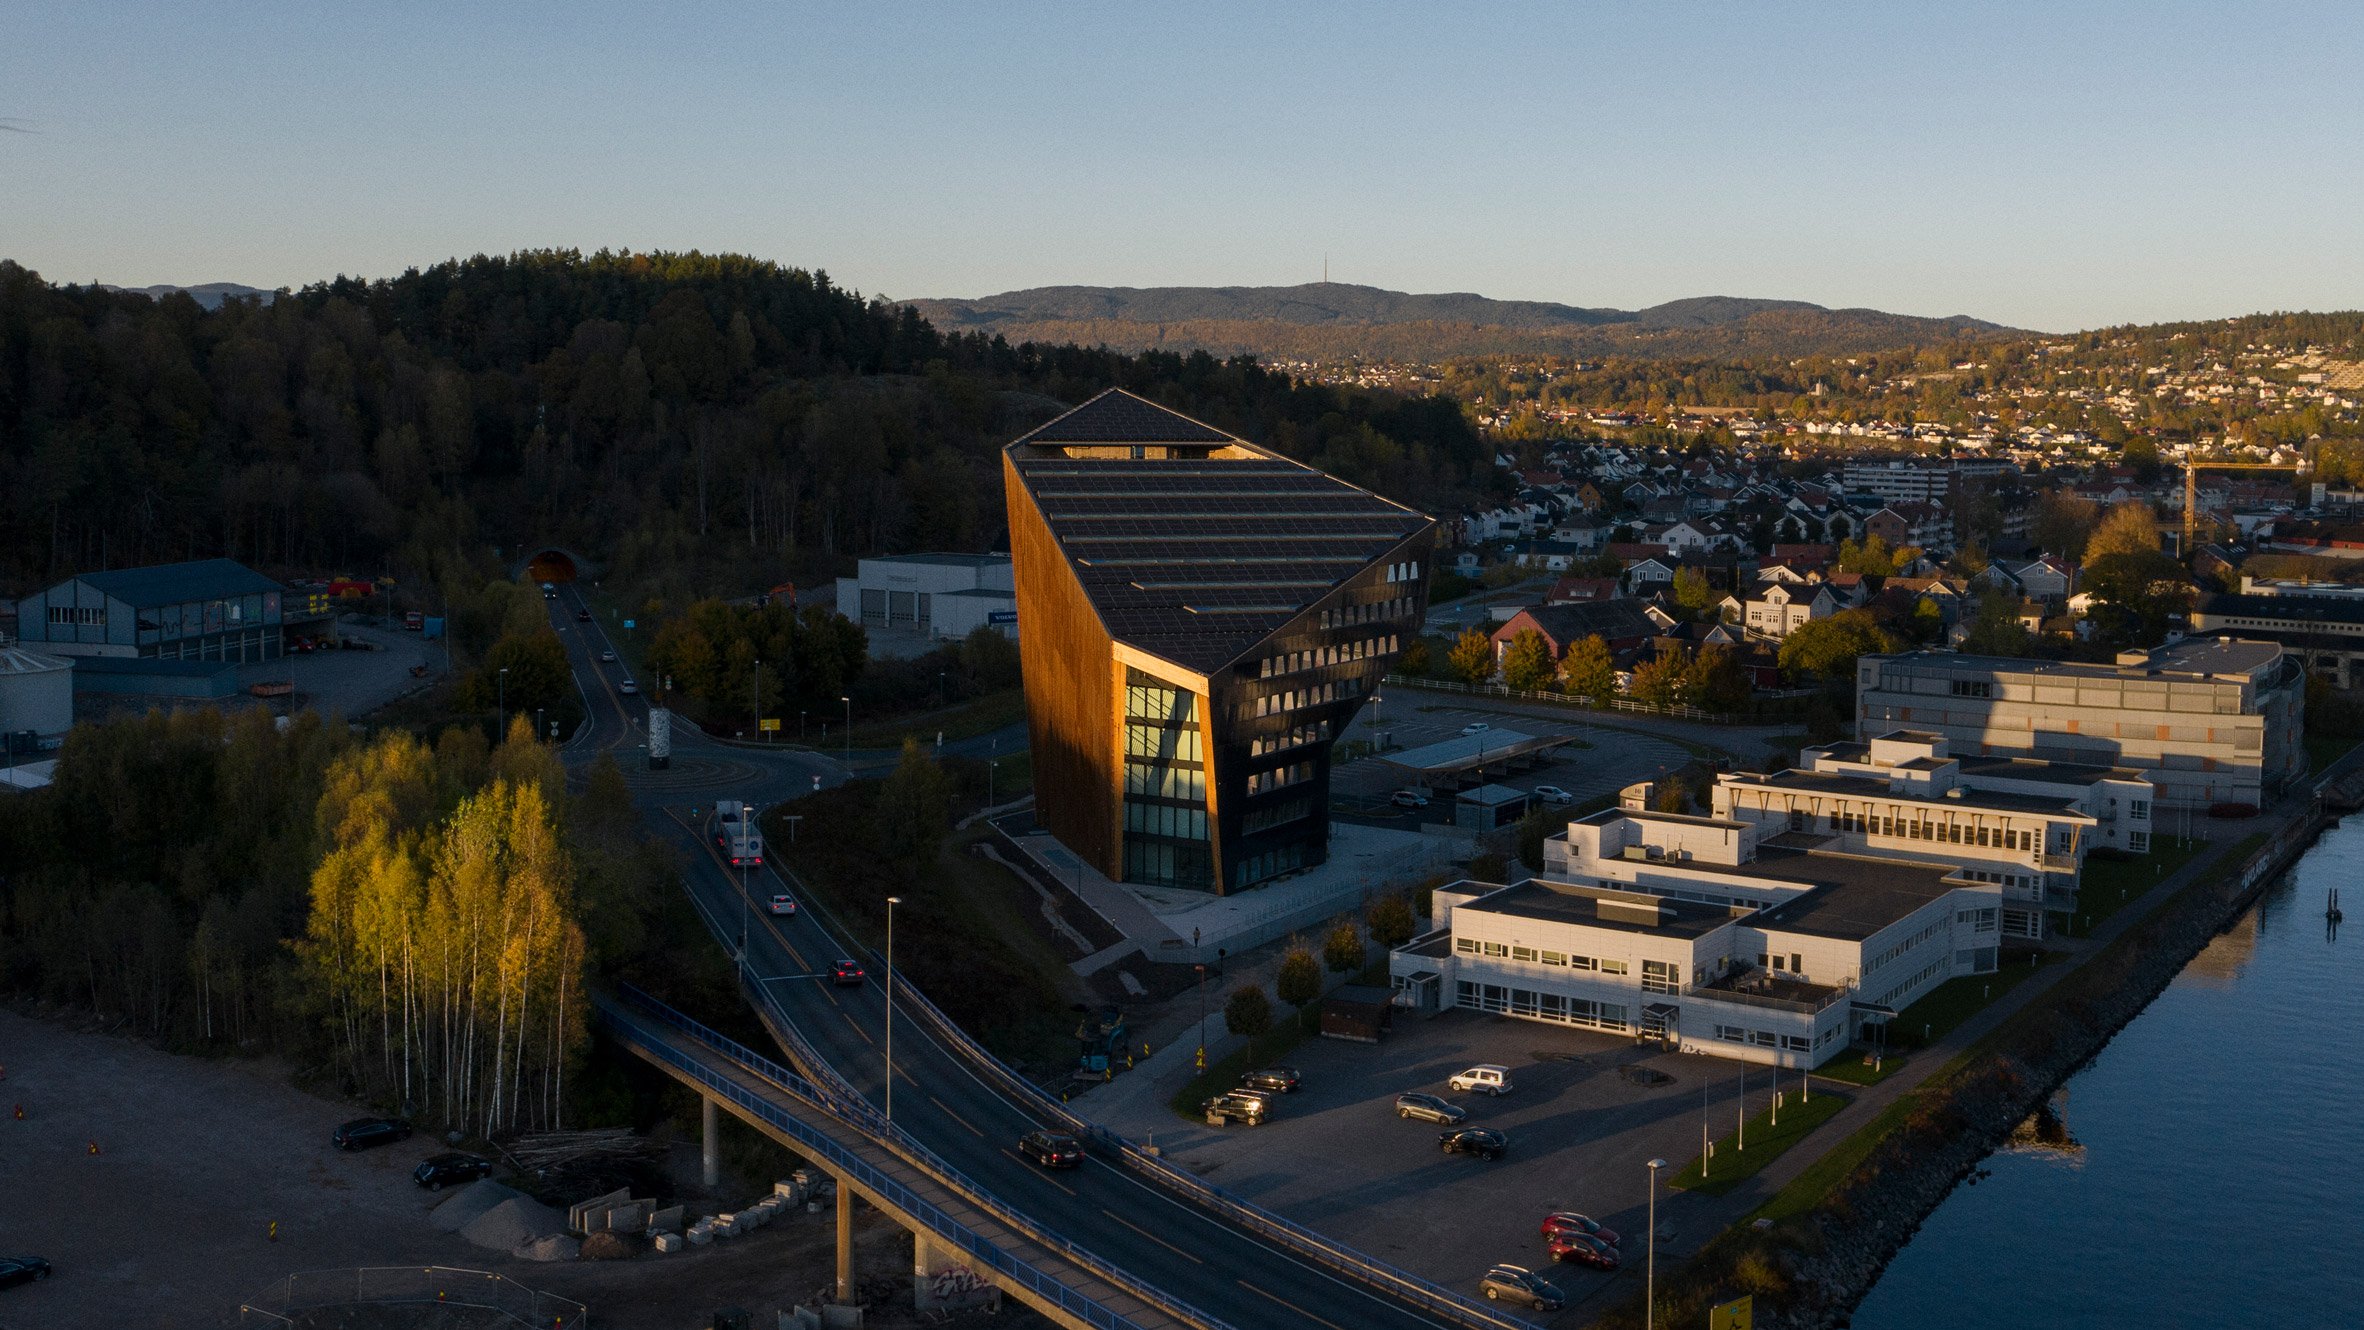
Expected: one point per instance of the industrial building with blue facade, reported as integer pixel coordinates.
(175, 629)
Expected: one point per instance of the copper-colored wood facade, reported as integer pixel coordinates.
(1076, 705)
(1074, 711)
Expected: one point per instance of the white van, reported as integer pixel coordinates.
(1490, 1079)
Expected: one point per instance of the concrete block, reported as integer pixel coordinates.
(788, 1189)
(667, 1220)
(581, 1214)
(699, 1236)
(668, 1242)
(630, 1217)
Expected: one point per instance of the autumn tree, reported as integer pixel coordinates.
(2135, 595)
(1247, 1012)
(1993, 628)
(1716, 682)
(1662, 680)
(2129, 529)
(914, 805)
(1588, 671)
(1300, 977)
(1342, 949)
(1526, 662)
(1693, 594)
(1472, 656)
(1829, 647)
(1390, 921)
(2063, 521)
(1873, 556)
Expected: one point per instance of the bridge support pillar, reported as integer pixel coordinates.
(942, 1278)
(845, 1242)
(711, 1139)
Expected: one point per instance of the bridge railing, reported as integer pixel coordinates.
(1295, 1237)
(864, 1119)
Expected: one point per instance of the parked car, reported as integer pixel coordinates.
(1236, 1106)
(1553, 794)
(16, 1270)
(1476, 727)
(1428, 1107)
(1568, 1221)
(1486, 1076)
(1408, 799)
(362, 1133)
(440, 1171)
(627, 686)
(783, 903)
(1583, 1249)
(846, 974)
(1051, 1149)
(607, 657)
(1519, 1284)
(1479, 1141)
(1283, 1079)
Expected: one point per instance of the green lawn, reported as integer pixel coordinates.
(967, 720)
(1949, 1004)
(1286, 1033)
(1807, 1189)
(1732, 1165)
(1852, 1067)
(2325, 749)
(2109, 883)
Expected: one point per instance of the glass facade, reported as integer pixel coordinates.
(1165, 786)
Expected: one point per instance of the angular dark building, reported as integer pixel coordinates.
(1202, 618)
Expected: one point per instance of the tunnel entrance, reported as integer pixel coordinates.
(551, 566)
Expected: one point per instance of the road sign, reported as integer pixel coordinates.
(1734, 1315)
(627, 623)
(768, 724)
(1001, 616)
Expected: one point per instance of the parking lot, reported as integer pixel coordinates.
(1336, 1157)
(1601, 761)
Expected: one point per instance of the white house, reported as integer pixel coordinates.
(1691, 931)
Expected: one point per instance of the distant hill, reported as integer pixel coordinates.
(1332, 319)
(209, 294)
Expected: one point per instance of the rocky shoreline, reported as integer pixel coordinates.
(1833, 1264)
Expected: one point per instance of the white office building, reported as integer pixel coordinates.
(1693, 931)
(2023, 824)
(2208, 721)
(943, 595)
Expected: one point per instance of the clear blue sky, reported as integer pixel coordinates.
(2053, 165)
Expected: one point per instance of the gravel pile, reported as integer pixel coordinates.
(513, 1223)
(551, 1247)
(610, 1247)
(464, 1205)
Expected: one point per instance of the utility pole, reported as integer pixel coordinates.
(892, 902)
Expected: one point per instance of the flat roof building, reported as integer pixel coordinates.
(205, 609)
(2207, 721)
(1707, 934)
(1202, 618)
(942, 595)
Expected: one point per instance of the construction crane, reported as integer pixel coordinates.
(2191, 491)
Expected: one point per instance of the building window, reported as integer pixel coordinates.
(1973, 688)
(2138, 841)
(1662, 977)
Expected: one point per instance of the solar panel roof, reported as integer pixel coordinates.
(1196, 559)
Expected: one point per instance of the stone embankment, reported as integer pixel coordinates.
(1830, 1263)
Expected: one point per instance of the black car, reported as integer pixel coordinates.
(582, 616)
(846, 974)
(1282, 1079)
(1051, 1149)
(16, 1270)
(441, 1171)
(1520, 1284)
(362, 1133)
(1477, 1141)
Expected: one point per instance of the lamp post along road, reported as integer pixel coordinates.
(849, 726)
(501, 724)
(1650, 1282)
(892, 902)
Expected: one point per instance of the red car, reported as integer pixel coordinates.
(1568, 1221)
(1582, 1249)
(846, 974)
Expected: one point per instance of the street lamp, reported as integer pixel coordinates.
(939, 690)
(501, 726)
(743, 899)
(755, 697)
(849, 726)
(892, 902)
(1650, 1285)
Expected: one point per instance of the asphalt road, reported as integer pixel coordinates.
(938, 1097)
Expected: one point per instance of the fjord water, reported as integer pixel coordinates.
(2214, 1174)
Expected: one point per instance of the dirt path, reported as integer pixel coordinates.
(168, 1225)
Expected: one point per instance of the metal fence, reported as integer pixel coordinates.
(429, 1285)
(845, 1162)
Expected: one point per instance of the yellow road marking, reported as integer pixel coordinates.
(1153, 1237)
(1291, 1306)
